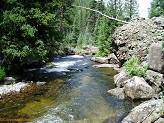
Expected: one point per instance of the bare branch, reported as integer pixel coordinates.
(101, 14)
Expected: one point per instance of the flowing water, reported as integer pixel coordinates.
(75, 92)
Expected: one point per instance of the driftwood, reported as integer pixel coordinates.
(102, 14)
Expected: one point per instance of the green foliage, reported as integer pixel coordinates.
(156, 9)
(134, 67)
(131, 9)
(2, 73)
(32, 30)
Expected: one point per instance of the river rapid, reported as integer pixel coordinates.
(75, 92)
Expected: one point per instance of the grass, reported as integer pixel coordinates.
(134, 68)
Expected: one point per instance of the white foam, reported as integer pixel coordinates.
(65, 63)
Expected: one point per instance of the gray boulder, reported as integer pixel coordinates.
(120, 79)
(117, 92)
(155, 79)
(138, 88)
(146, 112)
(113, 59)
(102, 60)
(156, 57)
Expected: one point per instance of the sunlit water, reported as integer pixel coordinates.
(75, 92)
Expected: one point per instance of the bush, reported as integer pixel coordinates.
(2, 73)
(134, 68)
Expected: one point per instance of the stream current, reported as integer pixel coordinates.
(75, 92)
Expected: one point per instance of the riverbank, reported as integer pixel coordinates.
(141, 39)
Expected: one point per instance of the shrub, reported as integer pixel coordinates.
(2, 73)
(134, 68)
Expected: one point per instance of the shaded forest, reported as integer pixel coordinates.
(36, 31)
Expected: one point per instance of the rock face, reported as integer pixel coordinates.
(136, 37)
(156, 57)
(138, 88)
(146, 112)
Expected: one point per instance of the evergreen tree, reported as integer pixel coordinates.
(104, 37)
(156, 9)
(131, 9)
(31, 30)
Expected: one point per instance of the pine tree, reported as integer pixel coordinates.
(104, 38)
(131, 8)
(156, 9)
(32, 30)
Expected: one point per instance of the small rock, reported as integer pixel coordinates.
(117, 92)
(113, 59)
(102, 60)
(41, 83)
(9, 80)
(120, 78)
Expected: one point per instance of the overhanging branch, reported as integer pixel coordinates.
(101, 14)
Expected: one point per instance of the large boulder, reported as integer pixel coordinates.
(117, 92)
(156, 57)
(146, 112)
(155, 79)
(138, 88)
(135, 38)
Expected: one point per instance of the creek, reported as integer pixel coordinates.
(75, 92)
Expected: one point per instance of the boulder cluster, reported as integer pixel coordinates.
(136, 37)
(142, 38)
